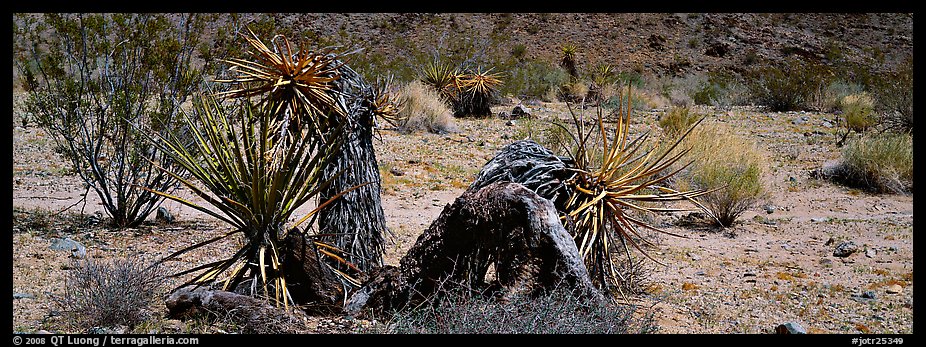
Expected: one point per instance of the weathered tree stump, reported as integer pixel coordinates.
(504, 224)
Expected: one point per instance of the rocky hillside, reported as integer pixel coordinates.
(660, 43)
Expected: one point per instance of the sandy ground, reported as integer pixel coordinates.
(769, 269)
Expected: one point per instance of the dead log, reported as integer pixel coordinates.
(252, 314)
(533, 166)
(502, 224)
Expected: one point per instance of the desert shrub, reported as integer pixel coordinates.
(554, 312)
(836, 91)
(726, 161)
(678, 120)
(639, 99)
(858, 112)
(895, 98)
(423, 109)
(534, 79)
(574, 91)
(93, 79)
(101, 293)
(787, 87)
(881, 163)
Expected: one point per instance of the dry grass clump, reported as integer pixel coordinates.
(677, 120)
(728, 165)
(423, 109)
(858, 111)
(881, 163)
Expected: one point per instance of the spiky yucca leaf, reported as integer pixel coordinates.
(480, 82)
(249, 179)
(386, 103)
(608, 184)
(299, 84)
(441, 77)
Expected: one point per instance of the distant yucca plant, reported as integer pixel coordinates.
(622, 177)
(475, 93)
(442, 78)
(568, 61)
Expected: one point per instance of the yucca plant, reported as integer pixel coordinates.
(318, 92)
(251, 180)
(442, 78)
(614, 177)
(568, 61)
(475, 92)
(298, 84)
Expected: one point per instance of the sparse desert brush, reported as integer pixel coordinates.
(574, 91)
(878, 162)
(677, 120)
(423, 109)
(729, 166)
(858, 111)
(554, 312)
(110, 293)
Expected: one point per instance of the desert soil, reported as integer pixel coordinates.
(770, 268)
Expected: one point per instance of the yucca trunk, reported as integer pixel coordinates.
(355, 222)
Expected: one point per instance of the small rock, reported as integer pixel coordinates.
(520, 111)
(164, 216)
(826, 261)
(505, 137)
(830, 241)
(894, 289)
(693, 256)
(504, 115)
(869, 294)
(770, 209)
(790, 328)
(826, 124)
(17, 296)
(749, 274)
(871, 252)
(700, 273)
(819, 219)
(510, 123)
(845, 249)
(396, 171)
(66, 244)
(800, 120)
(893, 249)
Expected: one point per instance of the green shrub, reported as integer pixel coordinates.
(858, 112)
(423, 109)
(109, 293)
(726, 161)
(881, 163)
(556, 312)
(534, 79)
(787, 87)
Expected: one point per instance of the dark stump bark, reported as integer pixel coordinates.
(503, 224)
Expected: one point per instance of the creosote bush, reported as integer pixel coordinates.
(787, 87)
(728, 165)
(881, 163)
(423, 109)
(110, 293)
